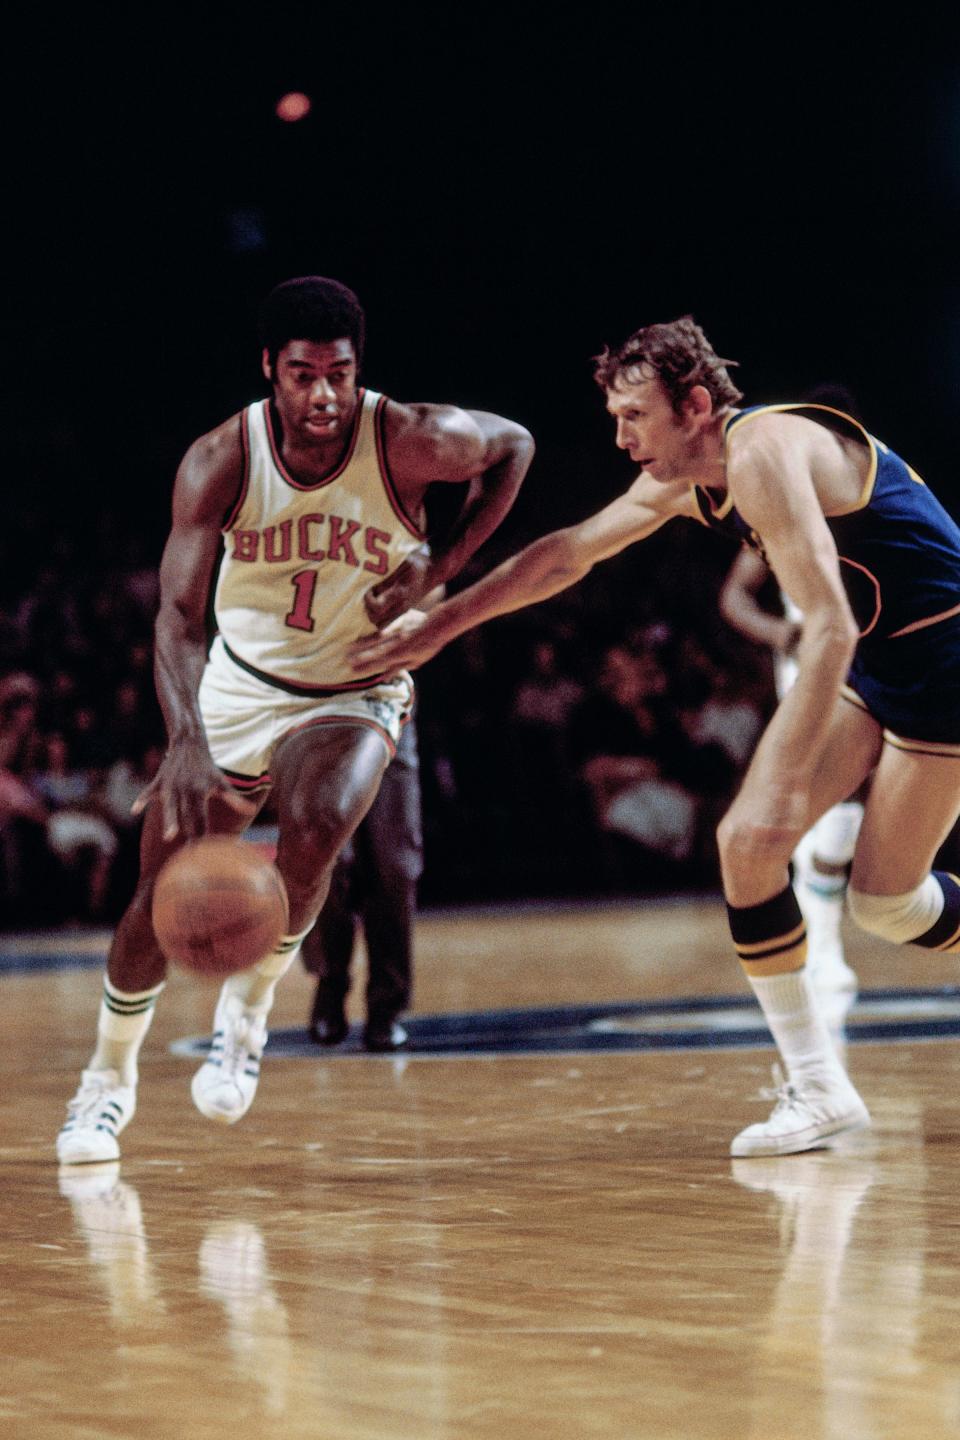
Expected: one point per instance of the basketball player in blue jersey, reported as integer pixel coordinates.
(311, 503)
(872, 560)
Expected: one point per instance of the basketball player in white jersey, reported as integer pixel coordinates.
(822, 859)
(311, 503)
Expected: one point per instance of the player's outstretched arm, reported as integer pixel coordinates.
(544, 568)
(429, 444)
(206, 485)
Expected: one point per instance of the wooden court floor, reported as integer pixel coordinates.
(549, 1246)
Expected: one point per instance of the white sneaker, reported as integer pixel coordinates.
(95, 1116)
(224, 1086)
(807, 1113)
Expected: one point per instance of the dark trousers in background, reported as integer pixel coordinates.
(374, 884)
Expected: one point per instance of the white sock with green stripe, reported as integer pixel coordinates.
(125, 1018)
(256, 987)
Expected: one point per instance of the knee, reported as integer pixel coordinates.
(745, 847)
(898, 918)
(312, 834)
(322, 835)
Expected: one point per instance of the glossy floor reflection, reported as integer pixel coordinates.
(504, 1246)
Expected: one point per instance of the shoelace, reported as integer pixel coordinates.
(240, 1042)
(784, 1092)
(90, 1097)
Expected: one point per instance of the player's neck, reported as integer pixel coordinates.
(706, 462)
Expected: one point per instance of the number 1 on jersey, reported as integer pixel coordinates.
(305, 584)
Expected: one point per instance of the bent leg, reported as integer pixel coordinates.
(755, 847)
(135, 961)
(136, 971)
(911, 810)
(325, 778)
(912, 807)
(770, 937)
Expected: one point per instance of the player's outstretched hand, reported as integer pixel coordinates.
(390, 598)
(184, 786)
(411, 640)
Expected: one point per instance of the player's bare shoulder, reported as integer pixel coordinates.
(769, 435)
(780, 452)
(430, 442)
(210, 475)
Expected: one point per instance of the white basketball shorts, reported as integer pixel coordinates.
(245, 718)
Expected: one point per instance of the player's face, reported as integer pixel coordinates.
(648, 427)
(315, 388)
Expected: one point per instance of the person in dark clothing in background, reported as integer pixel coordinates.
(375, 883)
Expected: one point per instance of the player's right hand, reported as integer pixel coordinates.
(183, 786)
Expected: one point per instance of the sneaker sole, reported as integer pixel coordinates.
(814, 1137)
(88, 1155)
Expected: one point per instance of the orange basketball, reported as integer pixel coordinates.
(219, 905)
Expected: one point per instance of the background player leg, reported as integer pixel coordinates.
(375, 878)
(390, 855)
(821, 869)
(328, 951)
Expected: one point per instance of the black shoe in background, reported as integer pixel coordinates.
(328, 1022)
(381, 1036)
(329, 1029)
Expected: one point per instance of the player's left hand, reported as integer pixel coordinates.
(390, 598)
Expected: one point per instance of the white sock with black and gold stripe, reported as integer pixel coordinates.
(125, 1017)
(256, 987)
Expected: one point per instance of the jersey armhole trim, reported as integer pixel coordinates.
(237, 505)
(379, 431)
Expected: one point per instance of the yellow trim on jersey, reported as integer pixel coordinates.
(717, 512)
(848, 693)
(922, 747)
(783, 409)
(930, 620)
(943, 748)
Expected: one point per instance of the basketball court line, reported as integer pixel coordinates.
(700, 1023)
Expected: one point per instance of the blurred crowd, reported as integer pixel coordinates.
(588, 746)
(80, 730)
(583, 747)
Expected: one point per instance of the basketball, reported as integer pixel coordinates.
(219, 905)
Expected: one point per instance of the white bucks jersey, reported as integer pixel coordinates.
(299, 558)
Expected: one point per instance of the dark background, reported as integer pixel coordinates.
(507, 190)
